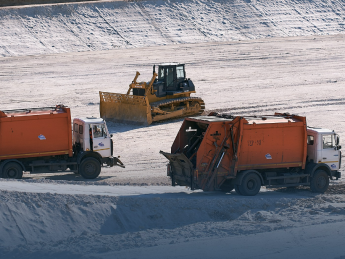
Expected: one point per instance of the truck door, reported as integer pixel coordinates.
(101, 140)
(330, 155)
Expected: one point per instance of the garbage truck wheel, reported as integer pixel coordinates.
(12, 170)
(319, 182)
(90, 168)
(250, 185)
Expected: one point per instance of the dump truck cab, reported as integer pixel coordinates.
(324, 148)
(92, 135)
(171, 80)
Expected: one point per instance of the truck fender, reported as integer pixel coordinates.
(240, 176)
(3, 163)
(86, 154)
(311, 168)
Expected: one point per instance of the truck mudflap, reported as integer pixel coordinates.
(181, 169)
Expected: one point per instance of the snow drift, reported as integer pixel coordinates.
(41, 225)
(111, 25)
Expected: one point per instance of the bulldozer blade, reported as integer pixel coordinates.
(125, 108)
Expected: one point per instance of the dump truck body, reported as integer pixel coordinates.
(166, 96)
(40, 140)
(214, 152)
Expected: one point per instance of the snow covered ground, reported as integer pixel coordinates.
(133, 212)
(121, 24)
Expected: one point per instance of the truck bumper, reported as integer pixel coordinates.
(336, 174)
(112, 161)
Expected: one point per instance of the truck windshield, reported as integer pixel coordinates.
(328, 141)
(98, 131)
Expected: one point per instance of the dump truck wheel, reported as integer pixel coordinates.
(12, 170)
(227, 186)
(319, 182)
(90, 168)
(250, 185)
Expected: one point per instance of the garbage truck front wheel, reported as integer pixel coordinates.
(90, 168)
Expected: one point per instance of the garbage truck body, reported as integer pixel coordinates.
(42, 140)
(224, 152)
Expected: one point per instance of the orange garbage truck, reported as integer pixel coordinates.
(43, 140)
(224, 152)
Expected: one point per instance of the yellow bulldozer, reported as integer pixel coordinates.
(166, 96)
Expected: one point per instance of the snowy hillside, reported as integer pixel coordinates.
(112, 25)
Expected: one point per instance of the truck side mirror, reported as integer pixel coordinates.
(111, 135)
(337, 140)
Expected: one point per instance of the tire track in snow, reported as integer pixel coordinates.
(147, 16)
(88, 45)
(112, 27)
(238, 26)
(281, 106)
(188, 20)
(6, 50)
(303, 17)
(15, 221)
(33, 35)
(257, 12)
(224, 17)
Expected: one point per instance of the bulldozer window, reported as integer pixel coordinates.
(161, 74)
(180, 72)
(170, 76)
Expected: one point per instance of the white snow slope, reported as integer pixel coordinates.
(133, 212)
(111, 25)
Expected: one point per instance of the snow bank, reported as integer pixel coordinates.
(112, 25)
(41, 225)
(30, 2)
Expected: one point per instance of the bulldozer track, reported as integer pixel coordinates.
(179, 100)
(161, 104)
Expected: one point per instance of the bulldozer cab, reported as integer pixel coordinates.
(171, 80)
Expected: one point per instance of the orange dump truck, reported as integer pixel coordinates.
(42, 140)
(223, 152)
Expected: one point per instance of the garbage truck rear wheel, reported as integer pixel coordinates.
(250, 185)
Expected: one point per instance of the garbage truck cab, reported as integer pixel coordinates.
(92, 135)
(323, 148)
